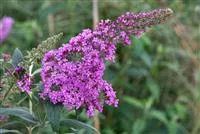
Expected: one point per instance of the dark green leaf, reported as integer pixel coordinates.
(146, 59)
(17, 57)
(53, 113)
(158, 115)
(13, 123)
(78, 125)
(4, 131)
(20, 112)
(46, 129)
(153, 88)
(139, 126)
(137, 72)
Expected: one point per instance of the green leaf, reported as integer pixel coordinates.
(137, 72)
(139, 126)
(78, 125)
(148, 103)
(155, 114)
(17, 57)
(153, 88)
(138, 48)
(53, 113)
(133, 101)
(36, 71)
(4, 131)
(173, 125)
(12, 123)
(181, 110)
(146, 59)
(20, 112)
(46, 129)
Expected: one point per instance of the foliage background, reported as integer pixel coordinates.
(157, 78)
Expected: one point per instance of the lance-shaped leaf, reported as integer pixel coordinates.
(6, 131)
(133, 101)
(12, 124)
(20, 112)
(78, 125)
(53, 113)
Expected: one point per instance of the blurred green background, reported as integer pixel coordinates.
(157, 78)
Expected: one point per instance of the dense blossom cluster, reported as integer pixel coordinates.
(6, 24)
(23, 79)
(73, 74)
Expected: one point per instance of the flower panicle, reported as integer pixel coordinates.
(6, 24)
(24, 80)
(131, 23)
(73, 74)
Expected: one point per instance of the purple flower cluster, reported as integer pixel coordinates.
(23, 79)
(73, 74)
(6, 24)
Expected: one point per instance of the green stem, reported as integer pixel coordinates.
(30, 103)
(77, 114)
(6, 94)
(29, 130)
(19, 102)
(30, 94)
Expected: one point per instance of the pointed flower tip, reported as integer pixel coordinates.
(161, 15)
(169, 11)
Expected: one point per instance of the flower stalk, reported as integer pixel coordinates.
(30, 93)
(95, 22)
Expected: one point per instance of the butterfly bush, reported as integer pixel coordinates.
(72, 75)
(6, 24)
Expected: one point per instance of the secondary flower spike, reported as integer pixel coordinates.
(23, 79)
(73, 74)
(6, 24)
